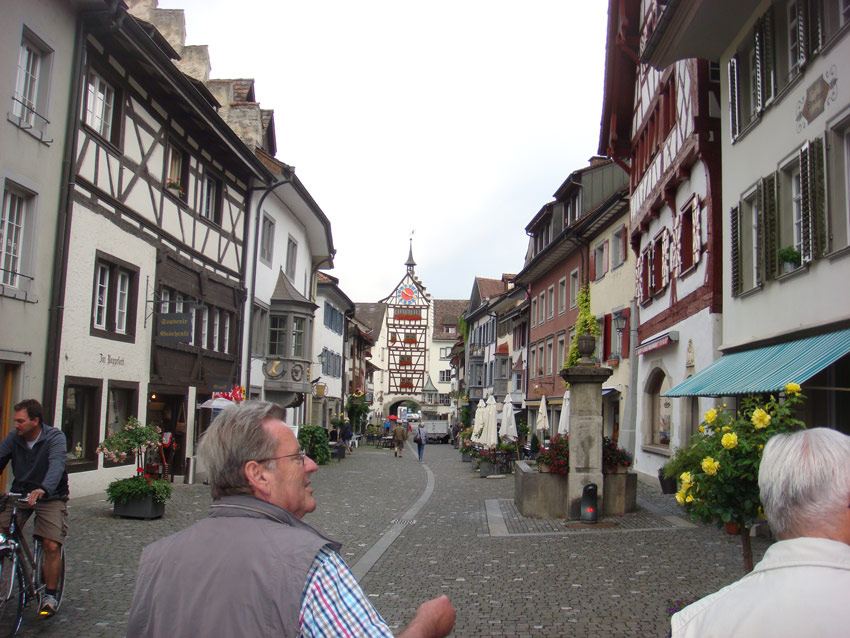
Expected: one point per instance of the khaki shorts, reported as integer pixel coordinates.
(51, 519)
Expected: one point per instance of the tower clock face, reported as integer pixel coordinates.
(406, 295)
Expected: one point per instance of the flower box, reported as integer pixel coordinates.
(145, 508)
(488, 468)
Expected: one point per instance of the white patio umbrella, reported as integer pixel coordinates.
(478, 422)
(219, 403)
(508, 432)
(542, 424)
(490, 435)
(564, 421)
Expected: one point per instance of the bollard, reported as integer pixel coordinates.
(588, 503)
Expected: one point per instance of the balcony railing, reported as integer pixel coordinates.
(24, 116)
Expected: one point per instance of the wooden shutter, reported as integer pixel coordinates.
(759, 233)
(696, 230)
(734, 99)
(676, 252)
(735, 215)
(626, 333)
(639, 279)
(758, 43)
(771, 225)
(624, 254)
(665, 258)
(802, 32)
(815, 30)
(767, 58)
(606, 338)
(817, 197)
(807, 248)
(592, 252)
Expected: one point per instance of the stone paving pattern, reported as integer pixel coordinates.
(551, 581)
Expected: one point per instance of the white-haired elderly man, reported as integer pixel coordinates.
(802, 585)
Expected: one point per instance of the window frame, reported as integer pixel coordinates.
(550, 303)
(575, 286)
(212, 210)
(113, 133)
(290, 266)
(14, 265)
(562, 295)
(107, 326)
(267, 227)
(31, 97)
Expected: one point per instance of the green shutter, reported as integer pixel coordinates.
(767, 58)
(758, 43)
(735, 215)
(805, 205)
(759, 233)
(734, 106)
(802, 32)
(771, 226)
(817, 194)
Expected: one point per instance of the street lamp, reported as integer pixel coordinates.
(620, 324)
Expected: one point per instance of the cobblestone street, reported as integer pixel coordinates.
(412, 531)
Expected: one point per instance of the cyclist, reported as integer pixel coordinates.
(38, 452)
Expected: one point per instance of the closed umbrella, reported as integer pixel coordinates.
(542, 424)
(508, 432)
(478, 422)
(564, 421)
(490, 435)
(219, 403)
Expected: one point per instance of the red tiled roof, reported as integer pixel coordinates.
(489, 288)
(502, 348)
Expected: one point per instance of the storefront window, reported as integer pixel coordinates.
(80, 424)
(121, 404)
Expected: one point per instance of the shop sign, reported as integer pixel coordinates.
(658, 342)
(174, 327)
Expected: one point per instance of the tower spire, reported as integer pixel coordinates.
(410, 263)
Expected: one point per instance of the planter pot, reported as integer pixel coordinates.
(788, 266)
(465, 457)
(668, 485)
(145, 508)
(616, 469)
(542, 467)
(732, 528)
(487, 469)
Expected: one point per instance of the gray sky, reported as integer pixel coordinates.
(457, 119)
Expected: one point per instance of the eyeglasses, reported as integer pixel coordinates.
(300, 455)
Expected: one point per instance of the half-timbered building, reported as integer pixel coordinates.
(663, 127)
(149, 314)
(786, 211)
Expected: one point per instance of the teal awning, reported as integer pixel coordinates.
(766, 369)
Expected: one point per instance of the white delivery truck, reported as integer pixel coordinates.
(438, 430)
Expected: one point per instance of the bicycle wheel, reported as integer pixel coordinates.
(11, 595)
(39, 563)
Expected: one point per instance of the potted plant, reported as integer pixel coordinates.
(556, 457)
(586, 330)
(614, 458)
(720, 484)
(313, 439)
(174, 186)
(790, 258)
(487, 462)
(143, 495)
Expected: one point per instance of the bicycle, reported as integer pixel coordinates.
(20, 571)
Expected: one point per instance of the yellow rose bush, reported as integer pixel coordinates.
(719, 480)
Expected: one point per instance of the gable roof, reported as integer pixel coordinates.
(446, 313)
(371, 314)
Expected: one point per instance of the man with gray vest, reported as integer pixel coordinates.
(253, 567)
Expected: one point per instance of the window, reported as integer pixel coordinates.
(619, 246)
(660, 410)
(541, 361)
(791, 206)
(193, 311)
(178, 302)
(213, 199)
(81, 422)
(298, 324)
(177, 174)
(562, 350)
(164, 300)
(291, 255)
(444, 399)
(205, 320)
(541, 309)
(30, 102)
(574, 286)
(226, 334)
(517, 381)
(267, 241)
(746, 224)
(687, 238)
(550, 355)
(599, 260)
(532, 362)
(121, 403)
(450, 330)
(445, 376)
(334, 319)
(599, 349)
(215, 328)
(115, 291)
(550, 303)
(534, 312)
(14, 224)
(445, 353)
(100, 110)
(259, 320)
(277, 335)
(562, 295)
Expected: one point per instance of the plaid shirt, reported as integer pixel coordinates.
(333, 604)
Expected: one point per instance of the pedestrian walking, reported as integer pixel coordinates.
(346, 435)
(399, 438)
(420, 439)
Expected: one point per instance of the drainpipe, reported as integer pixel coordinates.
(63, 232)
(250, 310)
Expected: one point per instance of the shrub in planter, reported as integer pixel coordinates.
(314, 441)
(613, 456)
(138, 488)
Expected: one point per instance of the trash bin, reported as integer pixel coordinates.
(588, 503)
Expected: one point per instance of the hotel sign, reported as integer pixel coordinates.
(658, 342)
